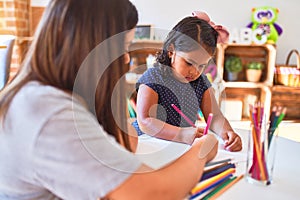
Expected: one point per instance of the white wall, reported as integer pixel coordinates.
(39, 3)
(164, 14)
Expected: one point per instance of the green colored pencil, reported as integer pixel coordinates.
(218, 188)
(281, 116)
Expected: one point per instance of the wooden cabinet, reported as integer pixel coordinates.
(139, 51)
(288, 97)
(242, 90)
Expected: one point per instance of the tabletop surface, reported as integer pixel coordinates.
(157, 153)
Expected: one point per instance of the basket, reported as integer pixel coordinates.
(288, 75)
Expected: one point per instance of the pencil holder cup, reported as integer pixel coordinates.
(261, 154)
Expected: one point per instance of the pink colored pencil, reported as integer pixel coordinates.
(183, 115)
(209, 119)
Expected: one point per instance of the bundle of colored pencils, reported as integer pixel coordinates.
(131, 105)
(276, 117)
(215, 180)
(261, 143)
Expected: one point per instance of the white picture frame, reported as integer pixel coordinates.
(144, 32)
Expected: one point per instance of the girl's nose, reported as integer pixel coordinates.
(193, 70)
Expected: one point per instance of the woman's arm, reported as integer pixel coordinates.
(173, 181)
(220, 125)
(147, 103)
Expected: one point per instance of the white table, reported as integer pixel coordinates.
(286, 175)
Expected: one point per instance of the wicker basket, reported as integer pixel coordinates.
(288, 75)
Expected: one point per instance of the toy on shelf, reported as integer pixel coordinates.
(211, 72)
(263, 23)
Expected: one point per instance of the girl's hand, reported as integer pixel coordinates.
(189, 134)
(198, 132)
(232, 141)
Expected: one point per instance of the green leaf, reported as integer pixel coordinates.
(233, 64)
(255, 65)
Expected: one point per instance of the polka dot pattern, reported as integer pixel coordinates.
(186, 96)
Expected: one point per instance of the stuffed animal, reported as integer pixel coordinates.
(264, 18)
(211, 72)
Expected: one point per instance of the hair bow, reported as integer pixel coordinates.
(223, 32)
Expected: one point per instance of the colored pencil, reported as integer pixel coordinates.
(217, 162)
(257, 148)
(220, 190)
(183, 115)
(274, 109)
(215, 184)
(281, 116)
(204, 184)
(207, 175)
(212, 168)
(209, 119)
(133, 104)
(219, 187)
(277, 114)
(131, 111)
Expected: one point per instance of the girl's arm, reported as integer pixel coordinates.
(147, 102)
(173, 181)
(220, 125)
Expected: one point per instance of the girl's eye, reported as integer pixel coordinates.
(201, 67)
(188, 63)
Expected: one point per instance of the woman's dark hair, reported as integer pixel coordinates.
(188, 35)
(69, 32)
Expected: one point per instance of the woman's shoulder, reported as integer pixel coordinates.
(38, 93)
(38, 101)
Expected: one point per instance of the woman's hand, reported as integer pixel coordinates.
(208, 148)
(232, 141)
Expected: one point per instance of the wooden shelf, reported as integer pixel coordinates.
(140, 49)
(260, 53)
(243, 84)
(241, 89)
(288, 97)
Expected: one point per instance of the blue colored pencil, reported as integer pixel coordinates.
(211, 187)
(219, 170)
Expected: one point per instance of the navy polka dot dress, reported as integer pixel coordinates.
(186, 96)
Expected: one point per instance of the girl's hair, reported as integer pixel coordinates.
(188, 35)
(68, 32)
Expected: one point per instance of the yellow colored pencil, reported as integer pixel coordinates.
(204, 184)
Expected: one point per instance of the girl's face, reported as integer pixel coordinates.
(188, 66)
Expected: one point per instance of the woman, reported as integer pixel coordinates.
(63, 116)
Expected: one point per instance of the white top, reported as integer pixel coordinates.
(52, 147)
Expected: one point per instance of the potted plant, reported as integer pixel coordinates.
(233, 65)
(254, 71)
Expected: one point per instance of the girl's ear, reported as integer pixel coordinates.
(171, 50)
(170, 54)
